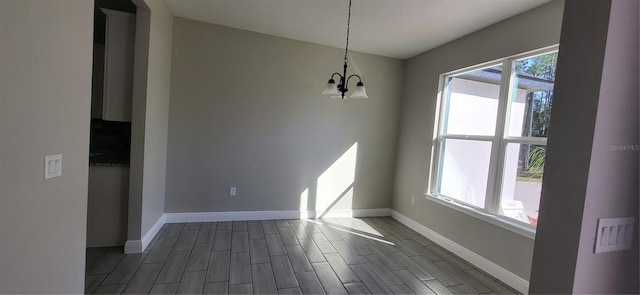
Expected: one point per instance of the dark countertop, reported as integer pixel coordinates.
(110, 143)
(109, 158)
(108, 165)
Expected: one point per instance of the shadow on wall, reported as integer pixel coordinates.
(333, 189)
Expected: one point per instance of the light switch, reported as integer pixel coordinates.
(52, 166)
(232, 191)
(614, 234)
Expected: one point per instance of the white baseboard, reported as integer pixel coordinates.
(336, 213)
(229, 216)
(268, 215)
(138, 246)
(482, 263)
(152, 232)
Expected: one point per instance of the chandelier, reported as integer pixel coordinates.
(336, 91)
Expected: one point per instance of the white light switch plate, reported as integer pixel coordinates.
(614, 234)
(52, 166)
(232, 191)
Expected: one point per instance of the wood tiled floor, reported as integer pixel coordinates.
(323, 256)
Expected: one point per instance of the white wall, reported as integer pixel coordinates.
(45, 95)
(150, 116)
(531, 30)
(246, 111)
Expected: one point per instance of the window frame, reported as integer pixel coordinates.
(499, 142)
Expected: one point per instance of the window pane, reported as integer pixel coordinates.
(522, 182)
(531, 96)
(472, 104)
(464, 170)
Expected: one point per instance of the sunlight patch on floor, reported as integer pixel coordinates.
(362, 235)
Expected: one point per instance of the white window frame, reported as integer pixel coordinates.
(500, 140)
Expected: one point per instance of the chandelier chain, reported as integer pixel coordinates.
(340, 89)
(346, 48)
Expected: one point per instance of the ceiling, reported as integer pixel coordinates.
(394, 28)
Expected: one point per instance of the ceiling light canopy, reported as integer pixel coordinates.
(338, 91)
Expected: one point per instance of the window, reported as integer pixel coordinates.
(492, 134)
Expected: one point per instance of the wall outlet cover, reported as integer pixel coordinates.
(614, 234)
(52, 166)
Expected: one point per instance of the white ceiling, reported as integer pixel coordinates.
(394, 28)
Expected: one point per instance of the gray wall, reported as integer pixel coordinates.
(531, 30)
(150, 116)
(157, 109)
(597, 97)
(45, 94)
(569, 146)
(246, 111)
(612, 189)
(138, 114)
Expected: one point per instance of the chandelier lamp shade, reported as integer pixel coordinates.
(339, 90)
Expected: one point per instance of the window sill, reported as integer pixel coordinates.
(503, 222)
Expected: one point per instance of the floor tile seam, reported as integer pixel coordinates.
(155, 280)
(100, 284)
(114, 267)
(274, 272)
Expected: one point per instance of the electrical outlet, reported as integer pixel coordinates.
(413, 200)
(232, 191)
